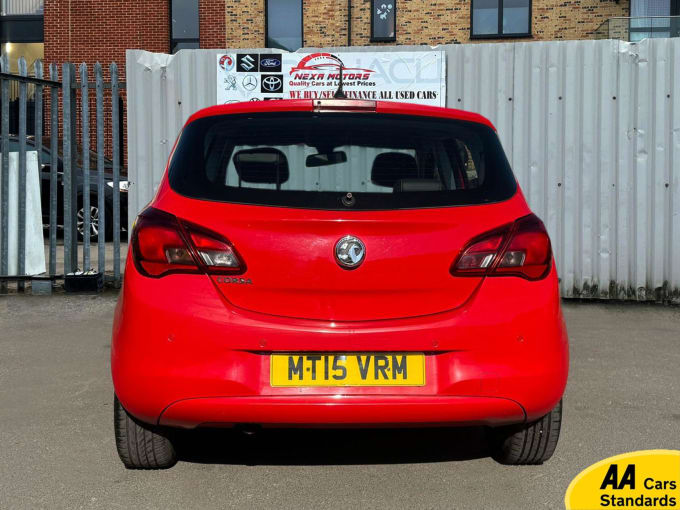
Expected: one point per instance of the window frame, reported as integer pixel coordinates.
(266, 26)
(673, 27)
(174, 40)
(20, 28)
(383, 39)
(499, 34)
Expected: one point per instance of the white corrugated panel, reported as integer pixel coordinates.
(592, 129)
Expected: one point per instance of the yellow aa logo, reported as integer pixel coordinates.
(645, 479)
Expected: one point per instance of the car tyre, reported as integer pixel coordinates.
(139, 445)
(531, 443)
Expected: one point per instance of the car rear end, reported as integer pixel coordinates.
(340, 262)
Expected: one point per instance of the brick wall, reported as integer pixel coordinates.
(324, 23)
(212, 23)
(90, 31)
(244, 23)
(418, 21)
(100, 31)
(94, 31)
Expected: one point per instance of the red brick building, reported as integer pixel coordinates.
(90, 31)
(97, 30)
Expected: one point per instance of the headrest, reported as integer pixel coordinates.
(389, 167)
(262, 166)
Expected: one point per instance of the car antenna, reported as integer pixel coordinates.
(340, 94)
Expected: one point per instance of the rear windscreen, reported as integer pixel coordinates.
(340, 161)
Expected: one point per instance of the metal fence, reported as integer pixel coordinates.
(76, 197)
(592, 129)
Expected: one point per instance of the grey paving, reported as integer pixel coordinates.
(57, 449)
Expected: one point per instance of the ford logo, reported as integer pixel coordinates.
(270, 62)
(349, 252)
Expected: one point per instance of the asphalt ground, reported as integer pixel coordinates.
(57, 447)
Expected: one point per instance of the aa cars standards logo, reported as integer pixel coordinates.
(642, 479)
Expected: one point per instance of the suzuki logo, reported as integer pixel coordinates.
(247, 62)
(349, 252)
(271, 83)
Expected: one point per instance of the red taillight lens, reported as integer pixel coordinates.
(215, 253)
(528, 253)
(518, 249)
(163, 245)
(478, 257)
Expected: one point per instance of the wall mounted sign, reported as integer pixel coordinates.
(406, 76)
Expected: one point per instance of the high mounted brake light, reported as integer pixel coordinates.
(520, 249)
(344, 105)
(162, 245)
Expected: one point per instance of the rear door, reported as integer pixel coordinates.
(343, 217)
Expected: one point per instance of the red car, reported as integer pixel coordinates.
(338, 262)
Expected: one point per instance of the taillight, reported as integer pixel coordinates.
(521, 249)
(162, 245)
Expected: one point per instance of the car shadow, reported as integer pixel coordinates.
(331, 446)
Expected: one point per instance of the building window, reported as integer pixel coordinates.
(501, 18)
(383, 20)
(184, 25)
(22, 7)
(21, 28)
(283, 24)
(654, 18)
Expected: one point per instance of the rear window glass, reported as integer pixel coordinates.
(339, 161)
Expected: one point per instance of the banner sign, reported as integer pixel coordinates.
(406, 76)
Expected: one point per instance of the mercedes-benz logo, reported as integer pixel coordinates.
(349, 252)
(271, 83)
(249, 82)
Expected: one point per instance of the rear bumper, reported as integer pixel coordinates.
(501, 358)
(348, 410)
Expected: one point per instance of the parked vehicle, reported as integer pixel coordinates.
(338, 263)
(45, 165)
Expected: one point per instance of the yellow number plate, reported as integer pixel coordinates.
(317, 369)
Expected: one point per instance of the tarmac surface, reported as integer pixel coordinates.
(57, 448)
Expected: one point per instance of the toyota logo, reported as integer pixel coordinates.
(249, 82)
(271, 83)
(349, 252)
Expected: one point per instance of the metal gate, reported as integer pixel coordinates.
(78, 146)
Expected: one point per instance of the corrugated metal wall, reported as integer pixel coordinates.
(592, 129)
